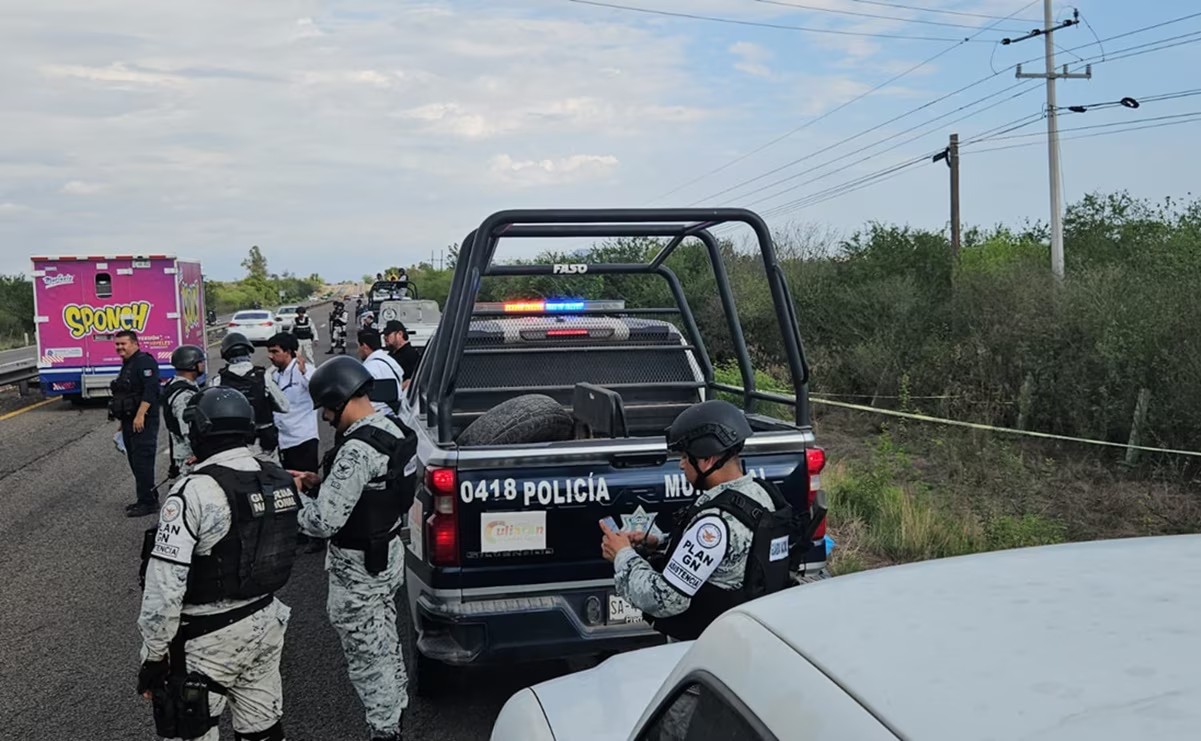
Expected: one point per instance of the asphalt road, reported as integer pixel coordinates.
(70, 599)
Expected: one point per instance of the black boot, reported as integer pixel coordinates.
(141, 509)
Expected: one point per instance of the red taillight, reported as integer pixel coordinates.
(233, 324)
(815, 461)
(442, 481)
(566, 333)
(443, 523)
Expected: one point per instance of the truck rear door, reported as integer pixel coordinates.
(539, 524)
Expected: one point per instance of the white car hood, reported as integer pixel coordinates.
(605, 702)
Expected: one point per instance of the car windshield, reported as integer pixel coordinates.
(243, 315)
(286, 310)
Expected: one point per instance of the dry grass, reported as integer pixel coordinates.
(900, 494)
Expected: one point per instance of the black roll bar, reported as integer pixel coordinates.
(479, 248)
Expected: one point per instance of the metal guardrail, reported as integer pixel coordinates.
(18, 371)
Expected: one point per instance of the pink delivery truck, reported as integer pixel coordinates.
(81, 302)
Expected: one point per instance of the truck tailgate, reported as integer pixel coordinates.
(536, 525)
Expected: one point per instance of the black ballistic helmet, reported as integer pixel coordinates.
(187, 358)
(301, 310)
(235, 344)
(219, 411)
(707, 429)
(337, 381)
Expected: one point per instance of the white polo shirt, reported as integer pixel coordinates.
(381, 366)
(299, 423)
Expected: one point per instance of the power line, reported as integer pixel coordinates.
(1131, 127)
(878, 126)
(764, 24)
(816, 8)
(886, 174)
(1115, 58)
(926, 123)
(1138, 31)
(808, 123)
(1093, 126)
(991, 134)
(1160, 97)
(945, 12)
(830, 112)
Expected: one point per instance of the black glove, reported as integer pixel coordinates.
(173, 470)
(153, 674)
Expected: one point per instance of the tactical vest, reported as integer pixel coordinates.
(372, 523)
(124, 402)
(767, 564)
(173, 389)
(255, 557)
(254, 388)
(303, 328)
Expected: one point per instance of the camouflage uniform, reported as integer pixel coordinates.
(244, 656)
(181, 446)
(653, 593)
(362, 606)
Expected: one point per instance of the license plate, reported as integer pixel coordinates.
(621, 611)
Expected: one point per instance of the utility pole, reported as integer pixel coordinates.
(953, 161)
(1050, 75)
(951, 156)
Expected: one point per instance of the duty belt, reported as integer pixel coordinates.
(194, 626)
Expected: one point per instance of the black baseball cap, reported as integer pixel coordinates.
(394, 326)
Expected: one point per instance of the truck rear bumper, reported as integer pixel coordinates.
(519, 628)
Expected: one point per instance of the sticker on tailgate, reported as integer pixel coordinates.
(545, 492)
(503, 532)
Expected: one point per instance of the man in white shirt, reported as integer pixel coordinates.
(298, 439)
(383, 368)
(299, 443)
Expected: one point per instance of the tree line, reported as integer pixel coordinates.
(888, 317)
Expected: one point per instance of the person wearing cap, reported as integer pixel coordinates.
(384, 369)
(688, 579)
(396, 339)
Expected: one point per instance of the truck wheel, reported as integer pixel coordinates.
(428, 678)
(532, 418)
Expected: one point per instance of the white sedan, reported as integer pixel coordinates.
(285, 317)
(1081, 642)
(258, 325)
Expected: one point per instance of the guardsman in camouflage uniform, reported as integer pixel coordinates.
(212, 629)
(188, 361)
(362, 498)
(683, 591)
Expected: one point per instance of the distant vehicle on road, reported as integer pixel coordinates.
(420, 317)
(285, 317)
(258, 325)
(1069, 642)
(82, 301)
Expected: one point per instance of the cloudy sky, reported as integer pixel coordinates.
(346, 136)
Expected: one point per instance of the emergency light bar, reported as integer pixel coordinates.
(550, 306)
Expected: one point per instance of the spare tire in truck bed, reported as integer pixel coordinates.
(532, 418)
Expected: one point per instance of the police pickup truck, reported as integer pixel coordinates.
(536, 418)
